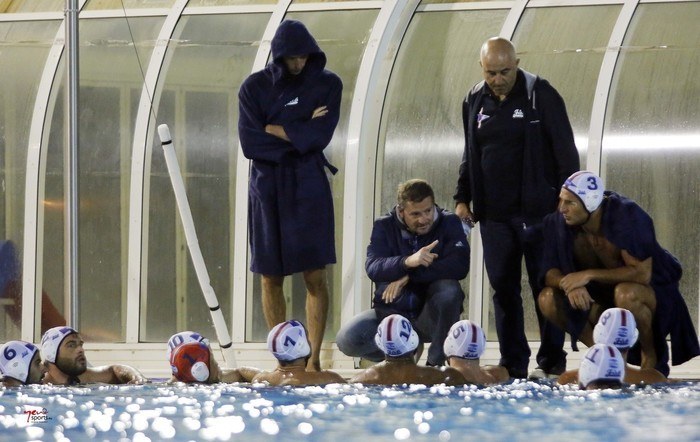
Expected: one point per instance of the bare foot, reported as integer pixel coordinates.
(648, 360)
(313, 365)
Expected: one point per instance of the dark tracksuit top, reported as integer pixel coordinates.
(549, 153)
(391, 244)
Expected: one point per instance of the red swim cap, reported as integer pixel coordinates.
(190, 362)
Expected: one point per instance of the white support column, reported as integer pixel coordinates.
(361, 153)
(140, 167)
(33, 249)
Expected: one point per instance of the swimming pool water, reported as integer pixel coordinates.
(515, 411)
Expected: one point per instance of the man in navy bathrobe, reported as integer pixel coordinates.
(288, 113)
(600, 251)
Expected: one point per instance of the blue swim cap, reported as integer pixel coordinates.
(588, 187)
(617, 327)
(16, 358)
(601, 363)
(51, 341)
(465, 340)
(287, 341)
(395, 336)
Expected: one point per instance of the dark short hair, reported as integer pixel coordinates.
(288, 363)
(605, 384)
(414, 191)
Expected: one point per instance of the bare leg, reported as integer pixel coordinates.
(586, 335)
(274, 306)
(551, 302)
(316, 313)
(641, 301)
(552, 307)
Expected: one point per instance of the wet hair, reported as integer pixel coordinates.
(292, 362)
(603, 384)
(414, 191)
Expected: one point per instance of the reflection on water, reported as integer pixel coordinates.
(517, 411)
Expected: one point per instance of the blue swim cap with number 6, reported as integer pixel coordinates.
(16, 358)
(588, 187)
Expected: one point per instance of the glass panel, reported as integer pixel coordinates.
(342, 35)
(421, 128)
(126, 4)
(32, 6)
(108, 69)
(20, 70)
(428, 2)
(193, 3)
(211, 58)
(651, 146)
(321, 2)
(571, 63)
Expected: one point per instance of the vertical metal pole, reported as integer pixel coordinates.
(72, 170)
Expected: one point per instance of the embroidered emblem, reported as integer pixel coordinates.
(481, 117)
(294, 102)
(518, 113)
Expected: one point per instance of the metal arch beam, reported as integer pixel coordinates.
(512, 19)
(32, 259)
(32, 265)
(240, 232)
(602, 90)
(362, 148)
(140, 165)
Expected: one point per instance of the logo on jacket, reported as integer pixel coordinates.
(460, 244)
(481, 117)
(294, 102)
(518, 113)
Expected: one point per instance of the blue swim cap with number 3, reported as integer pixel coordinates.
(588, 187)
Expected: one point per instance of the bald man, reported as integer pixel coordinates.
(519, 149)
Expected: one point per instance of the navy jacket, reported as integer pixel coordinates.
(391, 243)
(290, 206)
(629, 227)
(549, 154)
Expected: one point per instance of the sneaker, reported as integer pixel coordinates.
(539, 373)
(516, 373)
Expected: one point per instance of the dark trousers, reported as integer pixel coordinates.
(505, 245)
(443, 305)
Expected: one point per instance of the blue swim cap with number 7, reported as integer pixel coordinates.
(588, 187)
(287, 341)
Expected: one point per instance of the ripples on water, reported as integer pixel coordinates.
(516, 411)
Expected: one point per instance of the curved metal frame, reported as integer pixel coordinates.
(361, 153)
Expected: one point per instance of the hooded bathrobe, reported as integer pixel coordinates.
(290, 206)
